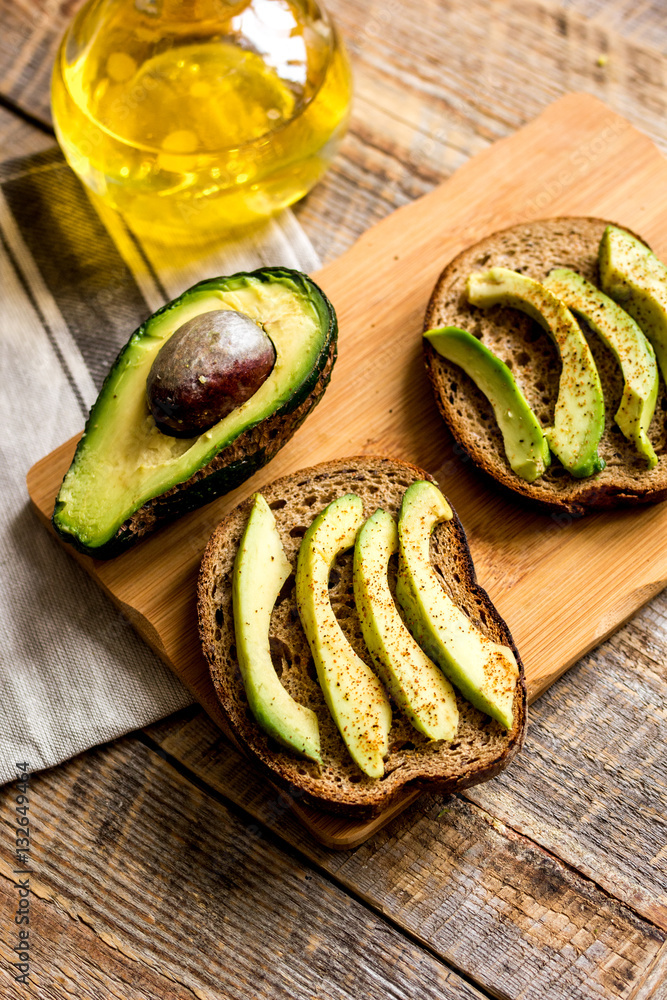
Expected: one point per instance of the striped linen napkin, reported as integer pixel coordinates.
(75, 283)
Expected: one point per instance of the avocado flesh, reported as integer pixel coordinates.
(260, 570)
(484, 671)
(526, 447)
(418, 687)
(123, 460)
(354, 695)
(632, 275)
(633, 352)
(579, 413)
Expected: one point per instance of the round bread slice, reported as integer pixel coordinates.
(534, 248)
(482, 747)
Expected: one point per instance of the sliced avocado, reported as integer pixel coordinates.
(260, 569)
(526, 447)
(484, 671)
(123, 460)
(634, 277)
(355, 697)
(629, 346)
(579, 414)
(419, 689)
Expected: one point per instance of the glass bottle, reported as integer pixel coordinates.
(194, 117)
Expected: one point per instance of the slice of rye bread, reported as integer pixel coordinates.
(481, 747)
(534, 248)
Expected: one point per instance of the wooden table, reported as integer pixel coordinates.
(164, 868)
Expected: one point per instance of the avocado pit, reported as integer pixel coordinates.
(208, 367)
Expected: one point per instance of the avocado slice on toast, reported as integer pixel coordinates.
(354, 695)
(633, 352)
(416, 684)
(632, 275)
(526, 447)
(260, 570)
(579, 415)
(485, 672)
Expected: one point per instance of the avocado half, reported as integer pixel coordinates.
(127, 477)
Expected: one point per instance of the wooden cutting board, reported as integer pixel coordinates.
(561, 584)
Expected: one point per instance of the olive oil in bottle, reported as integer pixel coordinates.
(194, 117)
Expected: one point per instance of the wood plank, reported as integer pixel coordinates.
(499, 908)
(142, 886)
(537, 568)
(432, 93)
(654, 986)
(641, 22)
(591, 784)
(69, 959)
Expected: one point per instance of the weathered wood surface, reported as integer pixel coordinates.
(143, 886)
(434, 89)
(415, 121)
(654, 987)
(591, 785)
(505, 912)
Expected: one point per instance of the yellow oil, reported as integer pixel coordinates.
(193, 118)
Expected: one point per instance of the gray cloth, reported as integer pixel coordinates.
(75, 283)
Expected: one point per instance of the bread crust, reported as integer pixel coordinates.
(534, 248)
(481, 749)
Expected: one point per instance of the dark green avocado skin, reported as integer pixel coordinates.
(170, 507)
